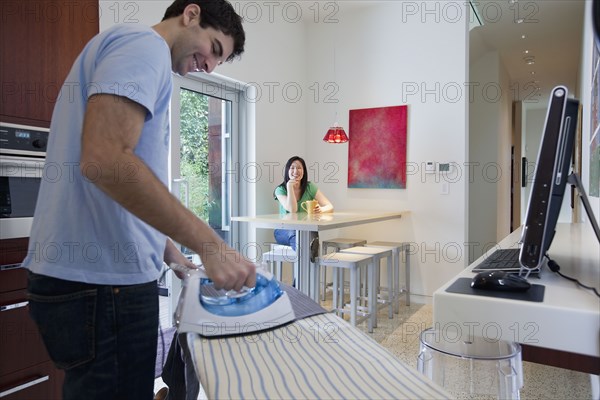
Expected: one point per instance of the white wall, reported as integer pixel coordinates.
(382, 55)
(533, 122)
(490, 134)
(274, 62)
(385, 56)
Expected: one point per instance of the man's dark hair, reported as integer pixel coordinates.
(217, 14)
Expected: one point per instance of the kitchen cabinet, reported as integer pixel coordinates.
(26, 371)
(39, 41)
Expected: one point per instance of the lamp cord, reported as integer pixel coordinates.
(554, 267)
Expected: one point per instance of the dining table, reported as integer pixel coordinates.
(304, 223)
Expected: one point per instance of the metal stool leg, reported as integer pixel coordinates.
(407, 266)
(353, 296)
(373, 284)
(391, 287)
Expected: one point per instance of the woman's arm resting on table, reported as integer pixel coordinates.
(325, 205)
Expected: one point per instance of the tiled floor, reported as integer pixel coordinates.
(400, 336)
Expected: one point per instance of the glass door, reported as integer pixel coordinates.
(203, 123)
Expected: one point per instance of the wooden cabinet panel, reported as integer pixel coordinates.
(13, 251)
(21, 343)
(39, 41)
(24, 361)
(41, 382)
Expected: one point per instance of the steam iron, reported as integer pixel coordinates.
(211, 312)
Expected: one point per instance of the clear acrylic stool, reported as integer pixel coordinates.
(474, 367)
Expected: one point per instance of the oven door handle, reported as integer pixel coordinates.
(21, 167)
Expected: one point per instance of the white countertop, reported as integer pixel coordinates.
(568, 319)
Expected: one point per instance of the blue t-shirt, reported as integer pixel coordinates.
(309, 194)
(79, 233)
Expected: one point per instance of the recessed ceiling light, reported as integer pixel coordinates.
(529, 60)
(520, 21)
(532, 72)
(525, 51)
(522, 36)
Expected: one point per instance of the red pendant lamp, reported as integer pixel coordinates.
(336, 134)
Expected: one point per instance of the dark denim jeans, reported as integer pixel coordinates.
(286, 237)
(104, 337)
(179, 373)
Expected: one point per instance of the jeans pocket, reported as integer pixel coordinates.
(67, 325)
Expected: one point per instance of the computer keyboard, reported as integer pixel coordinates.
(501, 260)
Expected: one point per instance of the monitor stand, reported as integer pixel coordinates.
(574, 180)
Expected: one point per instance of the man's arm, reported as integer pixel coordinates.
(111, 130)
(173, 255)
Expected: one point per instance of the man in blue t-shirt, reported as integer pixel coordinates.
(102, 231)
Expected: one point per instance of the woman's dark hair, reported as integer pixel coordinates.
(286, 175)
(217, 14)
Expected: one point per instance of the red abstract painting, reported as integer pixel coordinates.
(377, 148)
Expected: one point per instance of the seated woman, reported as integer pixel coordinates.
(294, 190)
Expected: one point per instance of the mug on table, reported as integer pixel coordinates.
(309, 206)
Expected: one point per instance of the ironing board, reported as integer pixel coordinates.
(318, 357)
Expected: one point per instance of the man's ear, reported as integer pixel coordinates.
(191, 13)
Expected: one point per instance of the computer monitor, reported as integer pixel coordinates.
(550, 178)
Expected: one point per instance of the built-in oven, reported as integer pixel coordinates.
(22, 156)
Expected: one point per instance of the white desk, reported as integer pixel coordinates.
(304, 224)
(567, 320)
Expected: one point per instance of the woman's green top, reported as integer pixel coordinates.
(309, 194)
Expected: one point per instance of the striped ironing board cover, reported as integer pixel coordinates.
(319, 357)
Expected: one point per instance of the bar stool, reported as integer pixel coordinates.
(337, 244)
(379, 253)
(398, 248)
(277, 256)
(471, 367)
(354, 262)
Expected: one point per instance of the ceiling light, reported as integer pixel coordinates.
(532, 72)
(525, 51)
(522, 36)
(529, 60)
(336, 134)
(520, 21)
